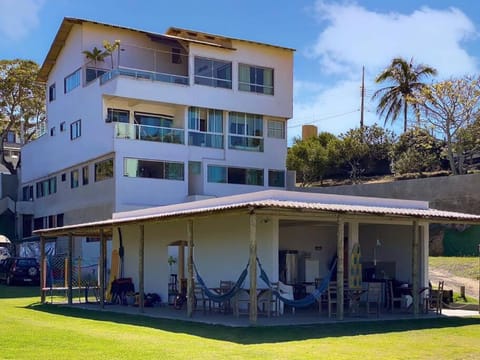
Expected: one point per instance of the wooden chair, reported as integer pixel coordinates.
(434, 300)
(241, 303)
(201, 301)
(223, 306)
(374, 297)
(267, 303)
(332, 298)
(391, 298)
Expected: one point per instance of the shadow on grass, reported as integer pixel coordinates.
(260, 335)
(23, 291)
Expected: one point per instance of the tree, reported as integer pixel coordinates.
(309, 158)
(22, 106)
(416, 151)
(96, 55)
(110, 49)
(405, 81)
(450, 107)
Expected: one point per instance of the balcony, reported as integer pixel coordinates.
(149, 133)
(248, 143)
(144, 75)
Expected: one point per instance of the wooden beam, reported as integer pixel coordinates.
(190, 284)
(69, 269)
(340, 267)
(141, 269)
(181, 262)
(253, 269)
(102, 268)
(43, 274)
(415, 258)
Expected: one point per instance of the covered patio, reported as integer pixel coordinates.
(373, 241)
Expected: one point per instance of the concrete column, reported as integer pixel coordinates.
(415, 259)
(102, 269)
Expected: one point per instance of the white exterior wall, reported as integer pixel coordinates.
(219, 255)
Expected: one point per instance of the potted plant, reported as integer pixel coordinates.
(171, 261)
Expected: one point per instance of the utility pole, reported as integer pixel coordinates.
(362, 103)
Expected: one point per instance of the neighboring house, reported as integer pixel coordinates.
(164, 119)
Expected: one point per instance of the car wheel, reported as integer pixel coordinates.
(9, 280)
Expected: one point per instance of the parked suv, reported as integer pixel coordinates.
(20, 270)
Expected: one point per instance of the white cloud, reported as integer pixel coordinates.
(354, 36)
(19, 17)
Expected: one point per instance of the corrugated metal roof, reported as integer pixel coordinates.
(279, 199)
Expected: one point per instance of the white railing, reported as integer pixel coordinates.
(149, 133)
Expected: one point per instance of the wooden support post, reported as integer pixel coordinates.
(190, 284)
(415, 258)
(69, 269)
(43, 273)
(141, 269)
(340, 267)
(181, 263)
(253, 269)
(102, 268)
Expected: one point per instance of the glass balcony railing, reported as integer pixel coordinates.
(149, 133)
(143, 74)
(249, 143)
(199, 138)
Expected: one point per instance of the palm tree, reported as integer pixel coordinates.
(95, 55)
(405, 79)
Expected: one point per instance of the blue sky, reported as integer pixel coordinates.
(333, 40)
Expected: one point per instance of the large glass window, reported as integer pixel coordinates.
(46, 187)
(246, 131)
(72, 81)
(85, 175)
(118, 115)
(27, 193)
(103, 170)
(234, 175)
(276, 129)
(74, 179)
(276, 178)
(205, 127)
(255, 79)
(153, 169)
(211, 72)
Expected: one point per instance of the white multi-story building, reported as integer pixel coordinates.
(162, 119)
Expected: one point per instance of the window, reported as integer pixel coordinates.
(62, 126)
(255, 79)
(85, 175)
(59, 220)
(246, 130)
(104, 170)
(38, 223)
(52, 92)
(75, 129)
(205, 127)
(176, 57)
(276, 129)
(11, 137)
(64, 177)
(52, 131)
(27, 193)
(92, 73)
(71, 81)
(213, 72)
(153, 169)
(276, 178)
(118, 115)
(46, 187)
(74, 179)
(194, 167)
(233, 175)
(27, 221)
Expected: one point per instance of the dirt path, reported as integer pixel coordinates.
(453, 282)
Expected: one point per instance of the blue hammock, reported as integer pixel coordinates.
(308, 300)
(214, 296)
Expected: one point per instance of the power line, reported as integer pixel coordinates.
(325, 118)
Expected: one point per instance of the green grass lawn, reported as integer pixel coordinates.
(30, 330)
(459, 266)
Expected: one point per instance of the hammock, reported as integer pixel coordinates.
(216, 297)
(307, 300)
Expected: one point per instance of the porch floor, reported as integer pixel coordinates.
(300, 317)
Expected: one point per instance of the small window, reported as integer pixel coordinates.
(52, 131)
(75, 129)
(276, 129)
(104, 170)
(52, 92)
(255, 79)
(74, 179)
(62, 126)
(64, 177)
(276, 178)
(72, 81)
(118, 115)
(176, 57)
(85, 175)
(194, 167)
